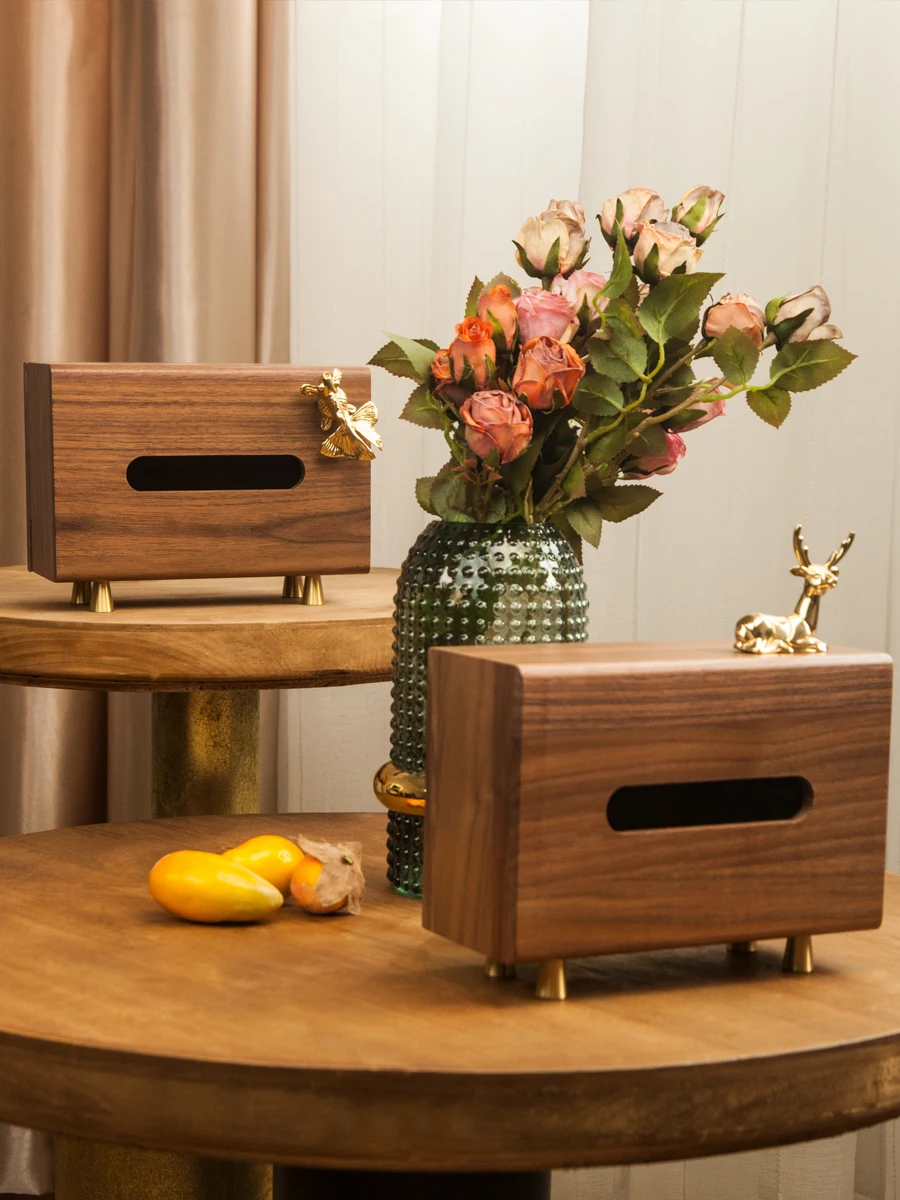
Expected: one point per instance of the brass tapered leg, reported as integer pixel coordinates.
(81, 592)
(292, 588)
(742, 947)
(551, 980)
(101, 597)
(798, 955)
(312, 590)
(495, 969)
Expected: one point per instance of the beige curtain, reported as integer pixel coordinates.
(144, 217)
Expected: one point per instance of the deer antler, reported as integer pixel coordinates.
(841, 550)
(800, 547)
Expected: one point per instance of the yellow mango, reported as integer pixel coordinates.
(207, 887)
(268, 855)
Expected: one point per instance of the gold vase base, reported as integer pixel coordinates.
(81, 592)
(312, 590)
(101, 596)
(798, 955)
(292, 588)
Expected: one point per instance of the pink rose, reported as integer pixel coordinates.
(545, 314)
(582, 286)
(740, 310)
(712, 408)
(638, 204)
(496, 421)
(473, 344)
(664, 464)
(546, 369)
(498, 303)
(441, 367)
(707, 202)
(674, 248)
(815, 300)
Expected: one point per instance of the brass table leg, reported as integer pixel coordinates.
(205, 753)
(205, 761)
(96, 1171)
(798, 955)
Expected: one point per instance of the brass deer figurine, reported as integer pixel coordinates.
(760, 633)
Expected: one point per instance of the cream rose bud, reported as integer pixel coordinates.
(674, 248)
(638, 204)
(571, 214)
(536, 239)
(739, 310)
(815, 299)
(707, 214)
(582, 287)
(825, 333)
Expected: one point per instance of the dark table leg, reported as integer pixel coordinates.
(301, 1183)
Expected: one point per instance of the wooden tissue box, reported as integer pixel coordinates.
(588, 799)
(156, 471)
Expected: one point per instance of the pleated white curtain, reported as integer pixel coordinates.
(423, 131)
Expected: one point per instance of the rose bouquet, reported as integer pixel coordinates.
(553, 399)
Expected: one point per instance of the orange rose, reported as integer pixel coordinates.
(473, 344)
(740, 310)
(498, 302)
(496, 421)
(441, 367)
(546, 367)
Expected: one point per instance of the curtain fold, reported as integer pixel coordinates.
(143, 217)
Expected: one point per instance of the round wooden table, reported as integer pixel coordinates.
(204, 648)
(368, 1043)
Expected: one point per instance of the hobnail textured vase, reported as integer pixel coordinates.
(469, 584)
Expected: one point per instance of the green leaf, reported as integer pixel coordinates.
(524, 262)
(736, 356)
(507, 281)
(784, 329)
(772, 404)
(649, 271)
(422, 409)
(772, 308)
(586, 519)
(801, 366)
(423, 492)
(624, 317)
(608, 445)
(621, 274)
(650, 444)
(472, 299)
(551, 266)
(675, 303)
(627, 500)
(573, 484)
(561, 521)
(693, 215)
(619, 355)
(448, 495)
(432, 345)
(700, 238)
(518, 473)
(408, 358)
(598, 395)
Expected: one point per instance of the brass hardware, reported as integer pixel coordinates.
(742, 948)
(312, 590)
(494, 969)
(292, 588)
(81, 592)
(205, 753)
(353, 427)
(86, 1170)
(101, 597)
(551, 979)
(400, 791)
(760, 633)
(798, 955)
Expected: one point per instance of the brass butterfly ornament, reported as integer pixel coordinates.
(350, 429)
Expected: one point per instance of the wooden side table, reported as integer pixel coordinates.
(204, 648)
(367, 1042)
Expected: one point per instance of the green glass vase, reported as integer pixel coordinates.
(469, 584)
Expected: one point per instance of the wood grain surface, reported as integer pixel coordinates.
(87, 421)
(521, 862)
(185, 634)
(366, 1041)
